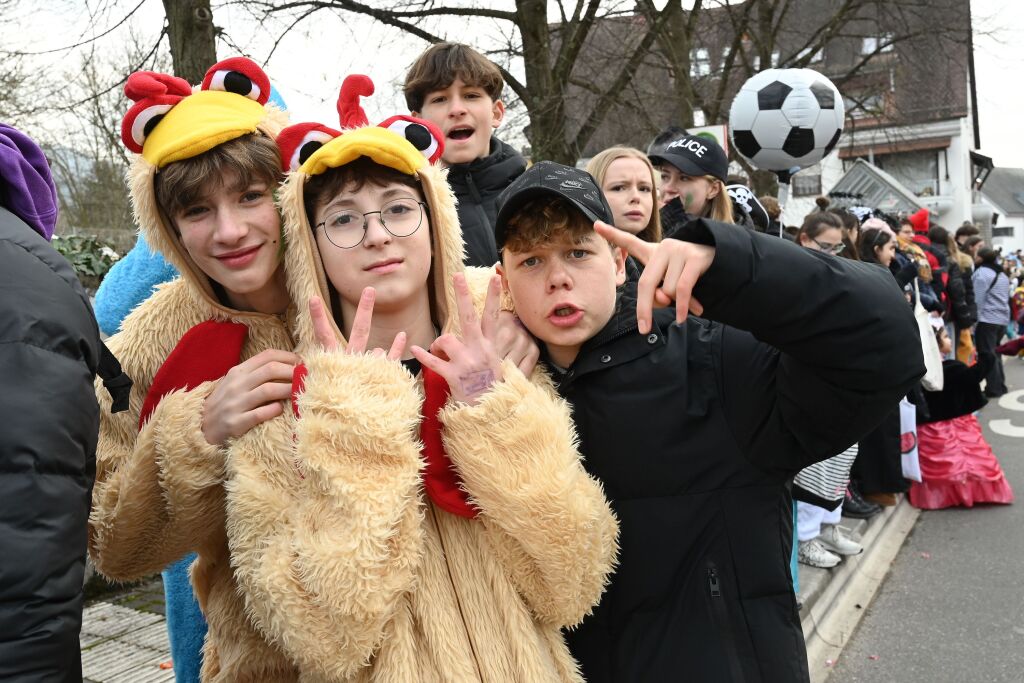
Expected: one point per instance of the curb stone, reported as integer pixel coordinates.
(836, 599)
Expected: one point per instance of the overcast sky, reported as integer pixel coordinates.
(309, 64)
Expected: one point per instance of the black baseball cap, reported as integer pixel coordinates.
(547, 178)
(693, 155)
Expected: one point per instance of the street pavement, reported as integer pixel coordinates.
(124, 637)
(952, 607)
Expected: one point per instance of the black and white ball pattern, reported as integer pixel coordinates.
(785, 119)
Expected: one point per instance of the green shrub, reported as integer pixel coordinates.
(89, 256)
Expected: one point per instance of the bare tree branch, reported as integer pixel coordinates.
(66, 48)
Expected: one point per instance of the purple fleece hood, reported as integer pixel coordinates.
(26, 186)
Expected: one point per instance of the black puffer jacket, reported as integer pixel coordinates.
(49, 355)
(958, 307)
(964, 321)
(476, 186)
(695, 431)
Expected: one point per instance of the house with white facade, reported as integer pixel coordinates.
(1003, 194)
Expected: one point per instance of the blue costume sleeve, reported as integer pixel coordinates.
(130, 282)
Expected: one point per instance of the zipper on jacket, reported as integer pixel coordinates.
(716, 588)
(720, 616)
(455, 592)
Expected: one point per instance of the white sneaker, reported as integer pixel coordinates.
(832, 539)
(814, 554)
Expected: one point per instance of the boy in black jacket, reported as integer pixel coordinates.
(50, 352)
(458, 89)
(696, 425)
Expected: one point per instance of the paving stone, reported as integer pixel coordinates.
(153, 636)
(107, 620)
(113, 657)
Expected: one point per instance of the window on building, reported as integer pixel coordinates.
(806, 184)
(700, 62)
(918, 171)
(1002, 231)
(868, 106)
(816, 57)
(872, 43)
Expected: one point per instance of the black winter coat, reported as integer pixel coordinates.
(961, 389)
(971, 317)
(477, 185)
(959, 310)
(695, 431)
(49, 354)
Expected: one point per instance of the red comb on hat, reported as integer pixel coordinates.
(350, 113)
(154, 94)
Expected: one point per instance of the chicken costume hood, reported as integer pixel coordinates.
(405, 144)
(170, 122)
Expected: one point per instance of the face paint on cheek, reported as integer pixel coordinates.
(688, 200)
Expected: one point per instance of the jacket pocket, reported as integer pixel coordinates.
(722, 624)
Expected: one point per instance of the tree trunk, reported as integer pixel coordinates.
(192, 36)
(675, 40)
(547, 132)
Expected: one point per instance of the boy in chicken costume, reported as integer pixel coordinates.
(432, 520)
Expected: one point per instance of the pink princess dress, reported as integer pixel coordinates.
(958, 467)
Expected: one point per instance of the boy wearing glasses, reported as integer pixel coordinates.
(696, 427)
(432, 520)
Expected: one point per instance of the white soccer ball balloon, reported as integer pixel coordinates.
(786, 119)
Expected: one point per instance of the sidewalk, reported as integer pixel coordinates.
(124, 637)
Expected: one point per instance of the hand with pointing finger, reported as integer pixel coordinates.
(360, 333)
(671, 270)
(470, 365)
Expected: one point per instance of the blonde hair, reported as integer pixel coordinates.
(965, 262)
(720, 207)
(598, 167)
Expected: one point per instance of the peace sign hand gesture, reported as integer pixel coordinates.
(360, 333)
(470, 365)
(672, 268)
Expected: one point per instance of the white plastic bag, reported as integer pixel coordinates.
(908, 441)
(932, 380)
